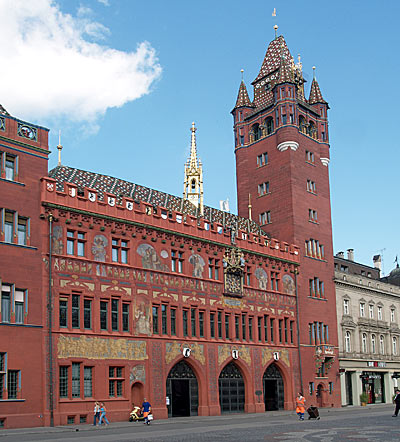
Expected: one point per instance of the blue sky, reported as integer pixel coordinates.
(127, 112)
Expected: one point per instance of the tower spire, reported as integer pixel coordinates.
(59, 147)
(193, 184)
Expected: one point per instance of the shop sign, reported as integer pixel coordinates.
(380, 364)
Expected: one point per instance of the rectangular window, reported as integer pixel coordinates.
(244, 334)
(12, 383)
(310, 157)
(63, 381)
(22, 231)
(227, 316)
(263, 188)
(236, 326)
(286, 330)
(272, 325)
(103, 315)
(220, 325)
(201, 324)
(10, 168)
(173, 321)
(87, 313)
(212, 325)
(164, 319)
(8, 226)
(259, 328)
(75, 311)
(362, 309)
(312, 216)
(275, 281)
(176, 261)
(115, 314)
(185, 322)
(75, 243)
(213, 268)
(291, 332)
(5, 303)
(262, 159)
(119, 250)
(266, 328)
(265, 218)
(116, 381)
(125, 317)
(63, 313)
(76, 379)
(251, 337)
(311, 186)
(314, 249)
(19, 306)
(155, 319)
(280, 324)
(193, 321)
(247, 275)
(87, 381)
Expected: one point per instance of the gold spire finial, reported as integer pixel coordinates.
(242, 70)
(314, 72)
(249, 207)
(59, 147)
(276, 31)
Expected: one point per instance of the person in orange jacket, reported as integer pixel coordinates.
(300, 406)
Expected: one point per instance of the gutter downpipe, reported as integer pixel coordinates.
(50, 324)
(298, 330)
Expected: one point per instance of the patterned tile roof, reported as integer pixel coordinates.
(272, 60)
(285, 72)
(243, 97)
(121, 188)
(315, 93)
(3, 111)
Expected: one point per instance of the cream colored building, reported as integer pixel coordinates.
(368, 312)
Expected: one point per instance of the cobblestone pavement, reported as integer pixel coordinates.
(351, 424)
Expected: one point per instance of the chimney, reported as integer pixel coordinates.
(350, 254)
(340, 254)
(377, 260)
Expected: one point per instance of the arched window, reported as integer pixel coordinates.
(193, 185)
(394, 346)
(269, 125)
(302, 124)
(373, 344)
(312, 130)
(381, 344)
(256, 129)
(364, 343)
(347, 341)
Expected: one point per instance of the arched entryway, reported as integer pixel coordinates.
(137, 394)
(231, 389)
(319, 394)
(182, 391)
(274, 392)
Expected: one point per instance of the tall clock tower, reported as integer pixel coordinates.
(282, 164)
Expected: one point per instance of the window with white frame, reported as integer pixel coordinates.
(347, 341)
(373, 344)
(362, 309)
(346, 307)
(380, 317)
(381, 344)
(371, 311)
(394, 346)
(364, 343)
(392, 315)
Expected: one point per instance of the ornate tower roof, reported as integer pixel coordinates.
(277, 50)
(243, 97)
(193, 184)
(315, 92)
(286, 70)
(3, 111)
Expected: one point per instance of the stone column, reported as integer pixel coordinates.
(343, 388)
(357, 386)
(389, 386)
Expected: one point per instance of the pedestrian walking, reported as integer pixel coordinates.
(146, 408)
(103, 416)
(300, 406)
(396, 400)
(96, 413)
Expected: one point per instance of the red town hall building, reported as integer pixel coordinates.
(112, 291)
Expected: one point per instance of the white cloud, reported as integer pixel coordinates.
(52, 65)
(104, 2)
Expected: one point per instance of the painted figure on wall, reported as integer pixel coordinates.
(198, 265)
(288, 285)
(138, 373)
(262, 278)
(57, 244)
(142, 318)
(100, 242)
(150, 258)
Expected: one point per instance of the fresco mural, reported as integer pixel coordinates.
(150, 258)
(262, 278)
(138, 373)
(142, 317)
(57, 244)
(198, 265)
(288, 285)
(100, 243)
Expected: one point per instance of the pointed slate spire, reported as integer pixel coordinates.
(3, 111)
(243, 97)
(315, 92)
